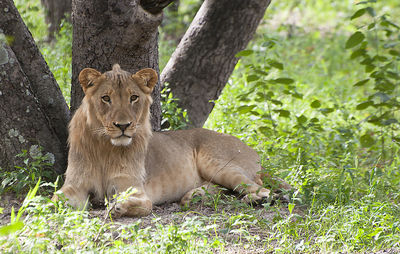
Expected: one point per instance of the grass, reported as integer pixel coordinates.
(306, 127)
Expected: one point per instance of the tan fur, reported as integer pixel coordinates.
(162, 166)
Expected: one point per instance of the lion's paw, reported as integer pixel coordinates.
(259, 197)
(118, 210)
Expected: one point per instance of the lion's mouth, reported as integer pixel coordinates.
(122, 140)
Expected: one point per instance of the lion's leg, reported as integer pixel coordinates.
(136, 204)
(234, 178)
(76, 197)
(198, 192)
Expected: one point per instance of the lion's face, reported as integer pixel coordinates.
(118, 101)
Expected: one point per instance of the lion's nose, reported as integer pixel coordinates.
(122, 127)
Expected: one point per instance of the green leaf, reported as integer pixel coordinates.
(245, 52)
(366, 140)
(252, 77)
(11, 228)
(269, 44)
(385, 86)
(260, 97)
(369, 68)
(386, 22)
(254, 113)
(375, 120)
(377, 75)
(315, 104)
(301, 119)
(382, 96)
(245, 109)
(362, 82)
(276, 64)
(366, 2)
(355, 39)
(282, 112)
(393, 75)
(264, 129)
(264, 73)
(371, 11)
(394, 52)
(357, 53)
(326, 110)
(364, 105)
(277, 102)
(286, 81)
(358, 13)
(290, 207)
(297, 95)
(367, 60)
(380, 58)
(371, 26)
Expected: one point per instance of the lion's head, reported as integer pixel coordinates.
(117, 102)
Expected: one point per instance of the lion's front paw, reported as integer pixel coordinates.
(261, 196)
(118, 210)
(133, 207)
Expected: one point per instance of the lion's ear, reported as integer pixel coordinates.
(87, 76)
(150, 78)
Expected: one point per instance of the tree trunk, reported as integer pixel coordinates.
(39, 106)
(116, 31)
(23, 124)
(56, 10)
(204, 59)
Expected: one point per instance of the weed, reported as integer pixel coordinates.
(36, 165)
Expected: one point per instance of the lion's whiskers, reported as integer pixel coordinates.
(101, 131)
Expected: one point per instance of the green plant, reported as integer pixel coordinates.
(173, 117)
(58, 55)
(16, 223)
(376, 45)
(36, 165)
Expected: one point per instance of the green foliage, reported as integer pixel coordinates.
(173, 117)
(59, 58)
(16, 223)
(58, 54)
(293, 99)
(34, 17)
(378, 51)
(177, 18)
(36, 165)
(67, 230)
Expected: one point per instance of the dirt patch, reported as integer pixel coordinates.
(7, 202)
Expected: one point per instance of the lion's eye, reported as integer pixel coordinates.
(106, 98)
(134, 98)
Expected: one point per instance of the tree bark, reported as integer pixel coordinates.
(204, 59)
(40, 80)
(56, 10)
(23, 124)
(116, 31)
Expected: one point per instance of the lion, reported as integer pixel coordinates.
(112, 148)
